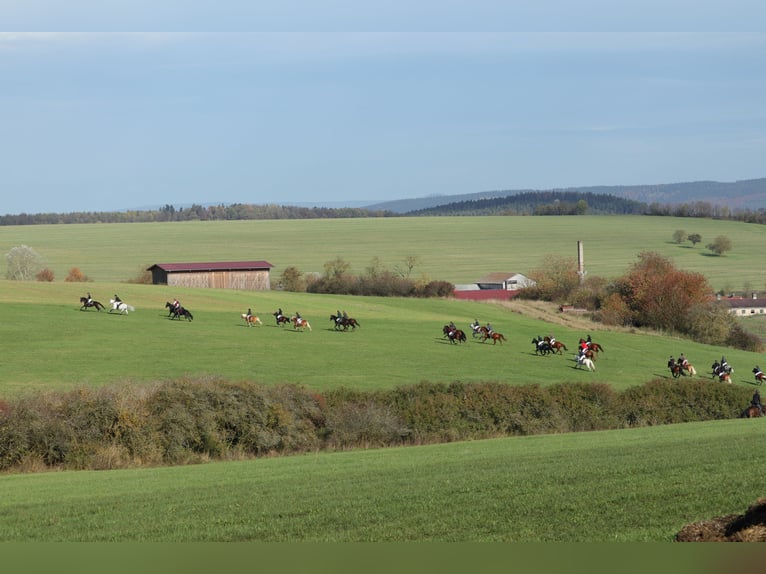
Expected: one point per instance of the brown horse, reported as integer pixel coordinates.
(251, 320)
(752, 412)
(457, 336)
(558, 347)
(759, 376)
(495, 338)
(595, 346)
(344, 323)
(282, 320)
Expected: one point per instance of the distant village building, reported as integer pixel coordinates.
(745, 306)
(500, 285)
(248, 275)
(504, 281)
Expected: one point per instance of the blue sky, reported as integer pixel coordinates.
(105, 106)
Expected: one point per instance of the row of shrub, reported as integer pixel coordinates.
(187, 421)
(382, 285)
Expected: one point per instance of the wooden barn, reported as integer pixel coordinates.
(250, 275)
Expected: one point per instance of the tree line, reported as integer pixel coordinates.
(233, 212)
(652, 294)
(527, 203)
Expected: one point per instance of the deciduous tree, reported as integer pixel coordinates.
(720, 245)
(679, 236)
(661, 296)
(23, 263)
(694, 238)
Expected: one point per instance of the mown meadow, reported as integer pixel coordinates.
(455, 249)
(635, 484)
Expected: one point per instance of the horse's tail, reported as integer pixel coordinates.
(131, 308)
(307, 324)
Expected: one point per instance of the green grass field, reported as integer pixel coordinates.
(50, 344)
(629, 485)
(634, 485)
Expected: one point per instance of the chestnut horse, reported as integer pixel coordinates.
(752, 412)
(300, 323)
(495, 338)
(558, 347)
(595, 346)
(251, 320)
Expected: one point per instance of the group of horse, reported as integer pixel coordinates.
(682, 368)
(456, 335)
(343, 322)
(114, 305)
(298, 322)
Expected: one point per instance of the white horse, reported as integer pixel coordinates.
(583, 361)
(120, 306)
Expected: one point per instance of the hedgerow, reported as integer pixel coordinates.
(196, 420)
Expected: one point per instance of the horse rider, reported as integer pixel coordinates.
(452, 327)
(338, 317)
(345, 315)
(297, 317)
(682, 362)
(279, 312)
(117, 301)
(584, 346)
(588, 341)
(671, 362)
(90, 299)
(716, 366)
(176, 304)
(552, 338)
(756, 400)
(489, 329)
(249, 313)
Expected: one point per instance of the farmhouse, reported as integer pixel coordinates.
(250, 275)
(744, 306)
(494, 286)
(504, 281)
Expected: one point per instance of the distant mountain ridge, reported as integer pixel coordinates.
(743, 194)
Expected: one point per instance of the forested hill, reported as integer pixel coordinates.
(540, 203)
(748, 194)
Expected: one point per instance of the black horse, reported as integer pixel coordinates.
(344, 323)
(178, 312)
(542, 347)
(85, 303)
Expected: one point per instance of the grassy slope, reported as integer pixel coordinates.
(456, 249)
(630, 485)
(52, 345)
